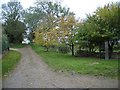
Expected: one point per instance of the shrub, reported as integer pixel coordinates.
(81, 53)
(5, 43)
(63, 49)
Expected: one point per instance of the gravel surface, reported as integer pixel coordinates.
(32, 72)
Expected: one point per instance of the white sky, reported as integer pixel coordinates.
(79, 7)
(83, 7)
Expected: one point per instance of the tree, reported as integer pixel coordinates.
(109, 15)
(46, 39)
(48, 12)
(100, 27)
(15, 31)
(4, 44)
(68, 28)
(48, 25)
(12, 14)
(13, 10)
(93, 32)
(31, 18)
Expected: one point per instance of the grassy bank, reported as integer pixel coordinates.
(9, 61)
(91, 66)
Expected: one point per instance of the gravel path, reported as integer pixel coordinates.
(32, 72)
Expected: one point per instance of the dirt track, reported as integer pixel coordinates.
(32, 72)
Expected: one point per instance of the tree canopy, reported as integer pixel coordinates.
(51, 24)
(63, 27)
(14, 26)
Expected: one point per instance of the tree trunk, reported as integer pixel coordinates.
(100, 50)
(72, 49)
(47, 49)
(110, 49)
(106, 51)
(90, 49)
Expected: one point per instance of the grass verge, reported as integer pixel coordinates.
(9, 61)
(90, 66)
(20, 45)
(0, 68)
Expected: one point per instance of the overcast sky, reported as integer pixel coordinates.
(79, 7)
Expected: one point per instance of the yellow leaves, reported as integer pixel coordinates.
(46, 38)
(67, 21)
(55, 34)
(71, 19)
(38, 38)
(67, 26)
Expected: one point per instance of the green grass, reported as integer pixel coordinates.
(0, 67)
(20, 45)
(67, 63)
(9, 61)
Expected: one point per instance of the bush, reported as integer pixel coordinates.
(5, 43)
(63, 49)
(81, 53)
(117, 48)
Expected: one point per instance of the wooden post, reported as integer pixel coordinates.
(106, 51)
